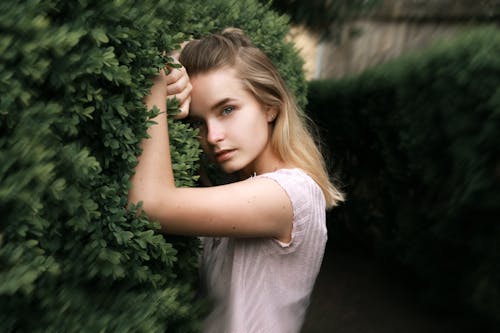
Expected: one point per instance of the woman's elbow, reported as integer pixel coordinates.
(145, 200)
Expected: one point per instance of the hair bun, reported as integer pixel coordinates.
(237, 35)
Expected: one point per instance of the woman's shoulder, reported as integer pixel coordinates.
(298, 185)
(308, 205)
(295, 176)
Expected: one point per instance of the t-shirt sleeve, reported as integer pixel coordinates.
(304, 194)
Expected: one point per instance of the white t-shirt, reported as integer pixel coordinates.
(261, 285)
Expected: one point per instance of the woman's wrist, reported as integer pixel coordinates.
(156, 98)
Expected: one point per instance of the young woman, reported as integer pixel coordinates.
(266, 233)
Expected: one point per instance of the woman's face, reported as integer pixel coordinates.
(234, 127)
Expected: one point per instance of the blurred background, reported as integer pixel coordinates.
(388, 266)
(341, 37)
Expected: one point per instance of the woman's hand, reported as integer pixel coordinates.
(174, 85)
(179, 87)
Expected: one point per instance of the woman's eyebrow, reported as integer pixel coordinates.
(192, 112)
(221, 103)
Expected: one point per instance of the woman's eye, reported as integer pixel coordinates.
(227, 110)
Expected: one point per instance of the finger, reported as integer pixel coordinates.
(175, 74)
(184, 109)
(175, 55)
(178, 86)
(183, 95)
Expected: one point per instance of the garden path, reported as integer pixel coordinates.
(354, 294)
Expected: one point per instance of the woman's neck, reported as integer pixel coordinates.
(255, 170)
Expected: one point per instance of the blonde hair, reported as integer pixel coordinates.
(292, 137)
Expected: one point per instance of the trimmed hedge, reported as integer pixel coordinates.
(72, 78)
(417, 142)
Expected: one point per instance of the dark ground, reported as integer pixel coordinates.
(354, 294)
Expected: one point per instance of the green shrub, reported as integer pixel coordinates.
(417, 144)
(72, 78)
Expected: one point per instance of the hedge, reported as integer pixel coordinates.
(416, 142)
(72, 78)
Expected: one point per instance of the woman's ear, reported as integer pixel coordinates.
(271, 113)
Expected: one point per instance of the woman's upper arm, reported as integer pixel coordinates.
(257, 207)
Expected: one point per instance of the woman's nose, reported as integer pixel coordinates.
(215, 132)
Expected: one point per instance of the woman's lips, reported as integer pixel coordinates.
(224, 155)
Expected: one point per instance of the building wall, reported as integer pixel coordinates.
(365, 43)
(395, 28)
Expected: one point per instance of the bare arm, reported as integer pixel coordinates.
(251, 208)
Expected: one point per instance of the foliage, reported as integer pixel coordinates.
(72, 78)
(416, 141)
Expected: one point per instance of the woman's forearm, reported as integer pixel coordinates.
(153, 174)
(153, 182)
